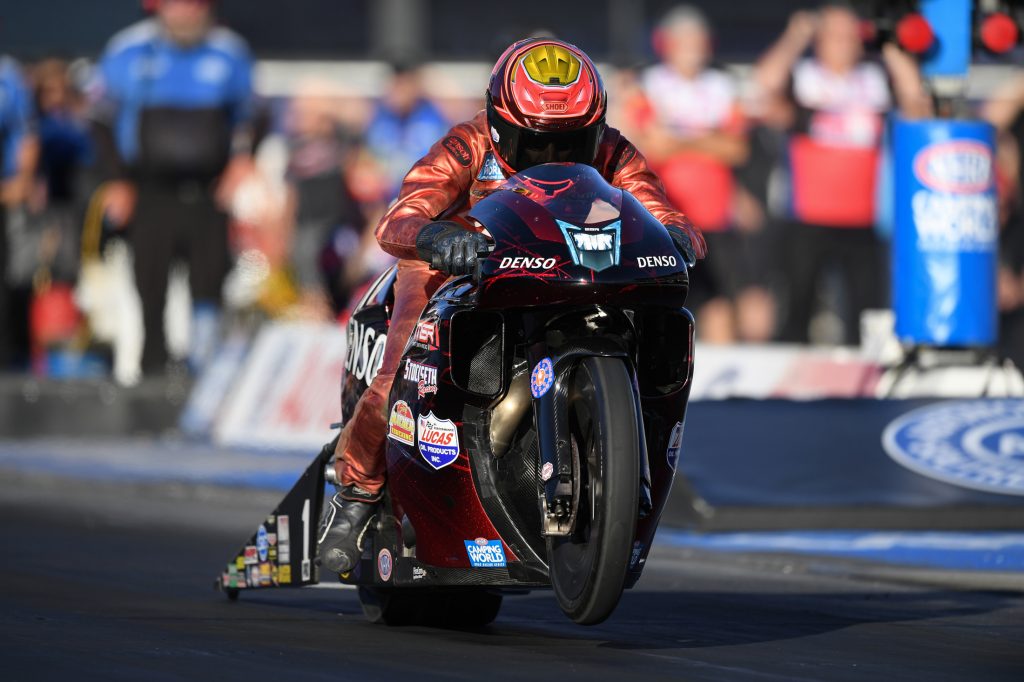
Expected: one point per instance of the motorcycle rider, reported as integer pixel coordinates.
(545, 102)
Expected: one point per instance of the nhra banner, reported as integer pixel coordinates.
(287, 394)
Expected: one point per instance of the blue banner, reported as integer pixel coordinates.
(946, 233)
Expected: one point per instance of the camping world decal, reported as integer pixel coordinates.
(976, 444)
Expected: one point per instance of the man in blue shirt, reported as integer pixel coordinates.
(18, 155)
(174, 92)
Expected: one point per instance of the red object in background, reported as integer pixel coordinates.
(914, 33)
(999, 33)
(53, 317)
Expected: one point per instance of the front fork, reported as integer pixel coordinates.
(559, 460)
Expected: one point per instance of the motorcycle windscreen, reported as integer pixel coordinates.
(565, 222)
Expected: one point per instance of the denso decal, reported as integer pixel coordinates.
(401, 425)
(956, 166)
(484, 553)
(424, 376)
(438, 440)
(656, 261)
(975, 444)
(365, 351)
(526, 263)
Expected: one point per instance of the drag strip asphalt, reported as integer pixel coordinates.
(112, 581)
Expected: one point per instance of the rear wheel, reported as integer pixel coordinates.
(588, 568)
(450, 609)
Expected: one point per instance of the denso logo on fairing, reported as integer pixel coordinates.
(655, 261)
(957, 166)
(527, 263)
(365, 351)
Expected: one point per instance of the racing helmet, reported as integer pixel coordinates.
(545, 103)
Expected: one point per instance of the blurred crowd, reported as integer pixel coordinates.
(153, 202)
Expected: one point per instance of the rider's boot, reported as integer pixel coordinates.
(345, 521)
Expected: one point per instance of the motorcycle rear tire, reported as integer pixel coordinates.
(588, 569)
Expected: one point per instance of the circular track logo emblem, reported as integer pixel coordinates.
(384, 564)
(976, 444)
(542, 377)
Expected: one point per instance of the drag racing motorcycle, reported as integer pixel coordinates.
(534, 423)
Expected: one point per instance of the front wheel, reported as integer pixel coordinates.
(588, 568)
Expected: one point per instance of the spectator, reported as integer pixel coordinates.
(839, 99)
(65, 149)
(688, 124)
(328, 222)
(175, 91)
(1005, 110)
(403, 126)
(19, 152)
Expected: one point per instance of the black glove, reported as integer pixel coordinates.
(684, 244)
(450, 248)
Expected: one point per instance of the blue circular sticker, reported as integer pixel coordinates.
(542, 377)
(976, 444)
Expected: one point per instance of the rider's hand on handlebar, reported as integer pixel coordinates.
(450, 248)
(684, 244)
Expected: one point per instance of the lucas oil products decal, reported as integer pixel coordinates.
(438, 440)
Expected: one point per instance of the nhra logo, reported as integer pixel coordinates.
(438, 440)
(365, 351)
(484, 553)
(956, 167)
(976, 444)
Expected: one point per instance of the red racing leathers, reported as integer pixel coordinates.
(457, 172)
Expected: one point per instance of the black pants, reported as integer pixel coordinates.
(811, 249)
(175, 221)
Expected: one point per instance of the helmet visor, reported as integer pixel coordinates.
(522, 148)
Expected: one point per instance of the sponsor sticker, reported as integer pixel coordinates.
(547, 471)
(438, 440)
(484, 553)
(418, 573)
(283, 540)
(240, 563)
(459, 149)
(365, 351)
(490, 170)
(638, 550)
(284, 574)
(265, 575)
(596, 248)
(261, 542)
(384, 564)
(401, 425)
(675, 444)
(542, 377)
(977, 444)
(424, 376)
(251, 556)
(527, 263)
(252, 577)
(656, 261)
(426, 335)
